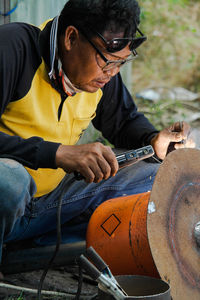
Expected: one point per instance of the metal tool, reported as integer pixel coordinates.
(174, 226)
(102, 266)
(100, 272)
(133, 156)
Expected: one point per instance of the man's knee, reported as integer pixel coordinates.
(14, 185)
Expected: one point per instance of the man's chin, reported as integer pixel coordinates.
(89, 88)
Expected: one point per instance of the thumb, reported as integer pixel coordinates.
(175, 136)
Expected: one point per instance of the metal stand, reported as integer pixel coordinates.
(4, 7)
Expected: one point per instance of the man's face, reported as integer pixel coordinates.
(83, 65)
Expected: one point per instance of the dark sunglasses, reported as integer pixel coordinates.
(109, 64)
(118, 44)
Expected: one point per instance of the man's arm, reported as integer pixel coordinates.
(18, 62)
(120, 122)
(118, 119)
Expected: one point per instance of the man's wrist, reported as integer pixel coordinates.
(46, 155)
(150, 138)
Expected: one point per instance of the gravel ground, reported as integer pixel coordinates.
(63, 280)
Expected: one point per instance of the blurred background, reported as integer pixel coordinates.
(165, 77)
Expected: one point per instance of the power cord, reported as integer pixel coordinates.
(44, 292)
(59, 237)
(80, 282)
(58, 242)
(156, 159)
(8, 13)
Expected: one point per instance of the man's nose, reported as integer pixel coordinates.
(112, 72)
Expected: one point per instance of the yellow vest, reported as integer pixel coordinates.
(36, 114)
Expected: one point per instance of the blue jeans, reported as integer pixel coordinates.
(23, 217)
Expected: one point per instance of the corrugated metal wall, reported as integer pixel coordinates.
(4, 7)
(36, 11)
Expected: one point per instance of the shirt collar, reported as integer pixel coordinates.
(53, 46)
(67, 85)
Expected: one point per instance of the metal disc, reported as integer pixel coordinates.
(174, 223)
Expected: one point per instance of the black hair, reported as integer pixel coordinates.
(101, 15)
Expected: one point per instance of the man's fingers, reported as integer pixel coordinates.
(98, 172)
(180, 127)
(178, 131)
(93, 161)
(189, 143)
(107, 165)
(186, 129)
(176, 137)
(173, 137)
(112, 161)
(100, 166)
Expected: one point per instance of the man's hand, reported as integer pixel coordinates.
(94, 161)
(176, 133)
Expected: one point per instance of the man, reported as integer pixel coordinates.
(54, 81)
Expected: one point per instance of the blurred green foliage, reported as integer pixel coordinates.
(171, 54)
(169, 58)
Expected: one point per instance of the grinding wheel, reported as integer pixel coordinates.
(174, 224)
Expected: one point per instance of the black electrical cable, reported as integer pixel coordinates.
(59, 238)
(39, 297)
(80, 282)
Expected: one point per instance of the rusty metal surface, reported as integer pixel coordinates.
(117, 230)
(171, 225)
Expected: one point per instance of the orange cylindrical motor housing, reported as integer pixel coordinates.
(117, 230)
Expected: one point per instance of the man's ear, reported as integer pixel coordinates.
(71, 37)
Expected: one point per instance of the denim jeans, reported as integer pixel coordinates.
(22, 216)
